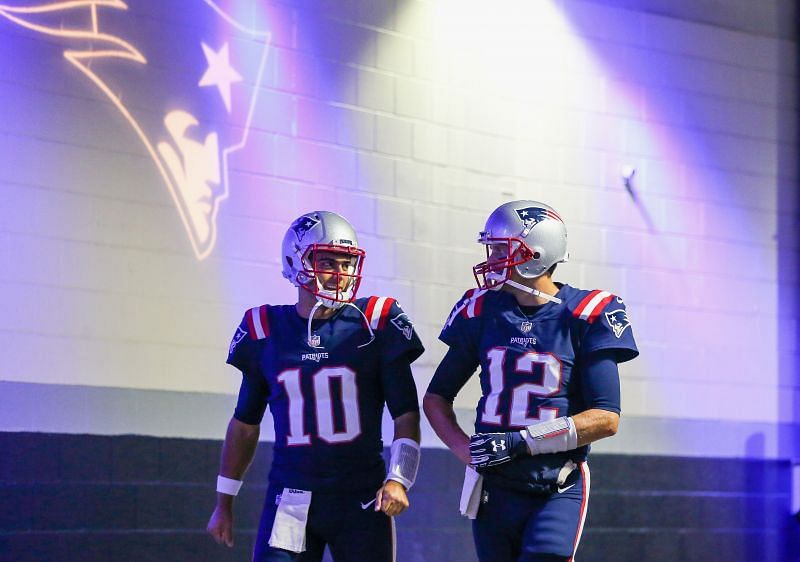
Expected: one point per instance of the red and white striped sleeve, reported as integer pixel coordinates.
(377, 311)
(592, 305)
(257, 322)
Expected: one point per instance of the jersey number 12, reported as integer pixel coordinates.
(522, 393)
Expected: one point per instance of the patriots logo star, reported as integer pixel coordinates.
(220, 73)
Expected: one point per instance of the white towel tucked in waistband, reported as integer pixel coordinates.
(289, 528)
(471, 493)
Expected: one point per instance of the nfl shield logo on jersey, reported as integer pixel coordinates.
(314, 340)
(402, 323)
(526, 327)
(618, 320)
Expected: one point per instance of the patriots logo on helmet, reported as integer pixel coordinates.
(618, 320)
(303, 225)
(402, 323)
(531, 216)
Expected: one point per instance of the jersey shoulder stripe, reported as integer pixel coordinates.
(474, 304)
(258, 322)
(468, 306)
(592, 305)
(377, 311)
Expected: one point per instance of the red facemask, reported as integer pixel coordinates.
(311, 270)
(493, 272)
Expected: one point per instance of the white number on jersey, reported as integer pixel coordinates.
(522, 393)
(323, 405)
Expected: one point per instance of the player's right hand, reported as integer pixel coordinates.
(391, 498)
(491, 449)
(220, 525)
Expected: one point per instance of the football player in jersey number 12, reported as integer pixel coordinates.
(325, 366)
(548, 356)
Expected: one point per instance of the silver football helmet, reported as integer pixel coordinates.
(320, 232)
(526, 235)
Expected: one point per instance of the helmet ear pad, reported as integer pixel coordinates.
(304, 278)
(535, 266)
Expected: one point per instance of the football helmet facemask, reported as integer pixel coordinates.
(528, 236)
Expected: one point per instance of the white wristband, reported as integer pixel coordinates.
(404, 462)
(552, 436)
(228, 486)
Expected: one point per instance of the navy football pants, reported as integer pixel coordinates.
(516, 527)
(353, 534)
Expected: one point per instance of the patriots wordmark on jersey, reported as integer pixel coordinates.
(327, 395)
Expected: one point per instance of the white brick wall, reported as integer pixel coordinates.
(366, 112)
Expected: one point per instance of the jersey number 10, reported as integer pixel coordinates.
(323, 406)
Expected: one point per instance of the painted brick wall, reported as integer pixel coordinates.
(414, 119)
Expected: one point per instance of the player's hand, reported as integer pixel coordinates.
(220, 525)
(391, 498)
(492, 449)
(462, 452)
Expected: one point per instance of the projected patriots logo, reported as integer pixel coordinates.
(187, 89)
(618, 320)
(531, 216)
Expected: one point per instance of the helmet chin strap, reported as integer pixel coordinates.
(322, 302)
(533, 292)
(317, 304)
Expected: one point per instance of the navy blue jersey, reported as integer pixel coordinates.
(327, 401)
(530, 366)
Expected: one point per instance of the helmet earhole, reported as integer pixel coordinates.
(536, 255)
(289, 259)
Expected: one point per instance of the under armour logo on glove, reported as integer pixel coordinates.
(491, 449)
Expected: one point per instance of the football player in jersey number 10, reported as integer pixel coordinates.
(548, 356)
(325, 366)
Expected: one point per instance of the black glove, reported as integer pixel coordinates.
(491, 449)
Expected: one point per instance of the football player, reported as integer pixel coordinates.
(325, 366)
(548, 356)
